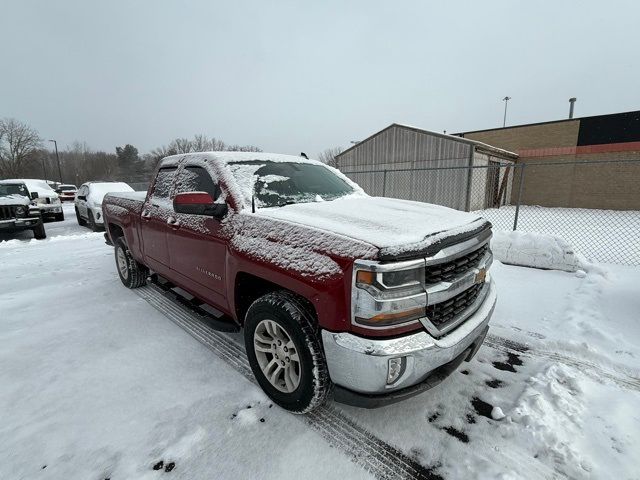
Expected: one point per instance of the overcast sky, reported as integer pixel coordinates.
(302, 75)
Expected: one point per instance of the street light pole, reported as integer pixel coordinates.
(57, 160)
(506, 101)
(44, 169)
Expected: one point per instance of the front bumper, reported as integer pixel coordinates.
(359, 366)
(20, 223)
(49, 208)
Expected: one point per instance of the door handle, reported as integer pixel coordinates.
(174, 223)
(146, 215)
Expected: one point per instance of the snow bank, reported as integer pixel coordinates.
(537, 250)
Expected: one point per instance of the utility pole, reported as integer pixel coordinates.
(57, 160)
(506, 102)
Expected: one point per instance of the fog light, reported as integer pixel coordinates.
(396, 369)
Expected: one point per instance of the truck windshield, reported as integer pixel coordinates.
(274, 184)
(7, 189)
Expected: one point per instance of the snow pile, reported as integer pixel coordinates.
(537, 250)
(605, 236)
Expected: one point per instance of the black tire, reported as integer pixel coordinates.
(59, 217)
(81, 221)
(298, 319)
(92, 222)
(39, 233)
(133, 274)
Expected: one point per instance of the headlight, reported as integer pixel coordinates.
(55, 200)
(388, 294)
(20, 211)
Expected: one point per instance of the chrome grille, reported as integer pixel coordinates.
(444, 272)
(442, 313)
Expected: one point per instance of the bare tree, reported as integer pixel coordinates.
(18, 145)
(329, 156)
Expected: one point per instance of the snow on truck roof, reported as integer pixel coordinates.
(232, 157)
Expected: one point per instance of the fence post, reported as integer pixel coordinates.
(384, 183)
(515, 220)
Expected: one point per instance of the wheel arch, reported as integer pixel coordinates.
(249, 287)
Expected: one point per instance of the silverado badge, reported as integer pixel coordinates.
(481, 275)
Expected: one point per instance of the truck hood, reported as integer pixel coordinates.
(397, 227)
(14, 200)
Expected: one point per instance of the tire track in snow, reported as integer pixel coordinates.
(373, 454)
(596, 371)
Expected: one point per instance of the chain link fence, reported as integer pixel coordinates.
(592, 204)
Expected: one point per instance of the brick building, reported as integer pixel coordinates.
(604, 149)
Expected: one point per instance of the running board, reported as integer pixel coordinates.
(207, 314)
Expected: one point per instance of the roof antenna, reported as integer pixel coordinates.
(302, 154)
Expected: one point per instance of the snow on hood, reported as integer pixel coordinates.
(311, 252)
(97, 191)
(14, 199)
(41, 187)
(394, 226)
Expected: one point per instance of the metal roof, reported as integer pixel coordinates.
(484, 147)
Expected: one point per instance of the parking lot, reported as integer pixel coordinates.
(103, 382)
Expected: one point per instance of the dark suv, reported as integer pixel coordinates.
(16, 211)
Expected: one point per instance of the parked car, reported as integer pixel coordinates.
(88, 202)
(66, 192)
(16, 212)
(373, 299)
(47, 200)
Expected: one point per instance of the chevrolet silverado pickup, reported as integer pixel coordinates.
(369, 300)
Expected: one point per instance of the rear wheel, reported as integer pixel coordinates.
(132, 273)
(284, 351)
(39, 232)
(81, 221)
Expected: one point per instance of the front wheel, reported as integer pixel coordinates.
(59, 217)
(132, 273)
(283, 347)
(39, 232)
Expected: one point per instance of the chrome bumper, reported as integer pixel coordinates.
(361, 364)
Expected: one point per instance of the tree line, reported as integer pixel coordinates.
(23, 155)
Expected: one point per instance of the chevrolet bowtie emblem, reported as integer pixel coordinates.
(481, 275)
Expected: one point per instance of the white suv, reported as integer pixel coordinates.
(88, 201)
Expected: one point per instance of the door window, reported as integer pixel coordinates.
(197, 179)
(164, 179)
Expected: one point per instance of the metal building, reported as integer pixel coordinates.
(415, 164)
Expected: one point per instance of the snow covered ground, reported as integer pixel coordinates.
(96, 383)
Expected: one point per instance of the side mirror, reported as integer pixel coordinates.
(82, 197)
(34, 195)
(198, 203)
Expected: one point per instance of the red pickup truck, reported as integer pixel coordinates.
(368, 299)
